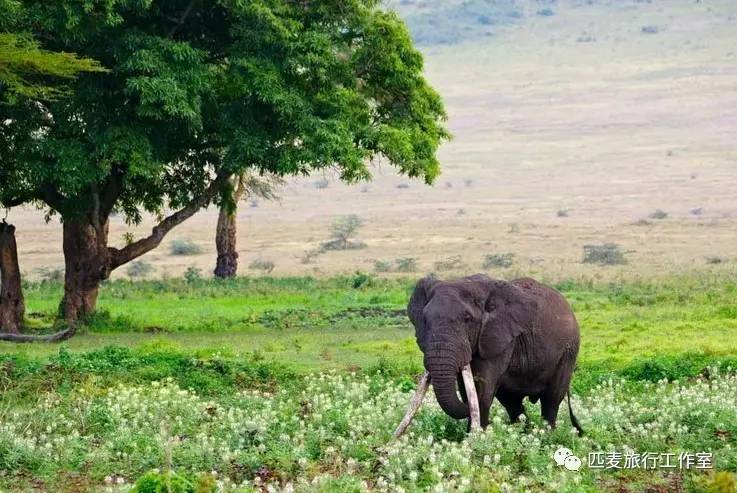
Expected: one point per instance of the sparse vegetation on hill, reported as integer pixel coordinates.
(433, 23)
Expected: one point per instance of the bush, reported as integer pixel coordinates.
(382, 266)
(263, 265)
(171, 482)
(451, 263)
(140, 268)
(658, 214)
(50, 274)
(193, 274)
(185, 246)
(643, 222)
(310, 255)
(406, 264)
(498, 260)
(321, 184)
(362, 280)
(606, 254)
(713, 260)
(546, 12)
(341, 232)
(562, 213)
(650, 29)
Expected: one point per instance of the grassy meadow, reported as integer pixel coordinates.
(295, 384)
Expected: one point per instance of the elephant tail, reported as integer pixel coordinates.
(574, 420)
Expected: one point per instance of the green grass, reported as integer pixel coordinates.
(349, 322)
(91, 411)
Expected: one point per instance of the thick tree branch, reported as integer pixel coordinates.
(51, 195)
(110, 192)
(180, 21)
(121, 256)
(18, 200)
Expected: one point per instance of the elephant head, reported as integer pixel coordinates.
(456, 321)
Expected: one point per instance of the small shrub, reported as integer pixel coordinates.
(361, 280)
(185, 247)
(50, 274)
(341, 232)
(650, 29)
(468, 182)
(643, 222)
(546, 12)
(696, 211)
(562, 213)
(382, 266)
(321, 184)
(513, 228)
(658, 214)
(263, 265)
(502, 260)
(403, 185)
(586, 38)
(606, 254)
(310, 255)
(451, 263)
(171, 482)
(406, 264)
(193, 274)
(140, 268)
(714, 260)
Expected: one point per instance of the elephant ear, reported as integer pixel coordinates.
(420, 296)
(509, 312)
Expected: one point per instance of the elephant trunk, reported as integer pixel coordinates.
(444, 360)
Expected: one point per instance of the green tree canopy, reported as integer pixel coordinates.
(27, 70)
(196, 92)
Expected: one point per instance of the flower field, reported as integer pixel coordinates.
(332, 432)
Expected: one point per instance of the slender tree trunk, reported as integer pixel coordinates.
(227, 261)
(87, 264)
(226, 265)
(12, 307)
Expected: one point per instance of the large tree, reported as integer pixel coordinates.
(198, 92)
(26, 71)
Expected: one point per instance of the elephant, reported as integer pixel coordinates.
(517, 338)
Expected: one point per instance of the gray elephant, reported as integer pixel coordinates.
(503, 339)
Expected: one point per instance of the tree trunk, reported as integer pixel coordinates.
(227, 261)
(12, 307)
(87, 264)
(226, 265)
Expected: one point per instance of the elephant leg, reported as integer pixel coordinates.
(487, 376)
(556, 391)
(512, 403)
(550, 404)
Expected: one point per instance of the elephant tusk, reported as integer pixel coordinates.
(473, 400)
(414, 404)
